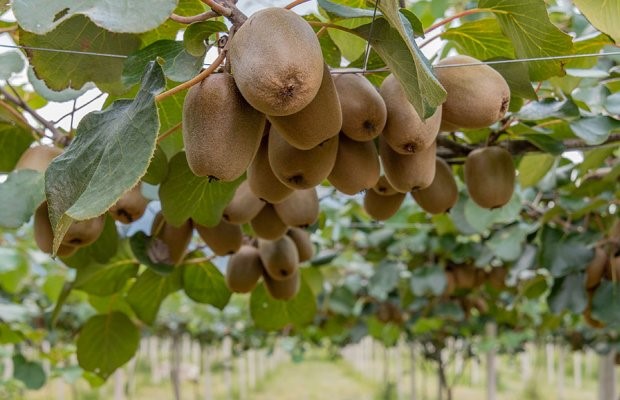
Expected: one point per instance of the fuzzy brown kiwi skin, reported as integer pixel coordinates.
(357, 166)
(284, 289)
(130, 207)
(244, 205)
(263, 182)
(267, 224)
(383, 187)
(83, 233)
(244, 270)
(217, 123)
(280, 257)
(175, 238)
(408, 173)
(490, 176)
(596, 268)
(382, 207)
(37, 158)
(44, 235)
(497, 277)
(315, 123)
(478, 96)
(405, 131)
(224, 238)
(300, 209)
(301, 169)
(277, 61)
(442, 194)
(612, 270)
(363, 110)
(302, 240)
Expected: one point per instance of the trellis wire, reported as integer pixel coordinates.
(354, 70)
(372, 24)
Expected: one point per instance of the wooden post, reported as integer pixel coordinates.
(206, 373)
(412, 360)
(175, 365)
(550, 363)
(491, 331)
(241, 377)
(227, 356)
(577, 374)
(399, 370)
(561, 373)
(607, 377)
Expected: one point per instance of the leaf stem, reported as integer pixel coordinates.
(8, 29)
(197, 79)
(169, 132)
(456, 16)
(218, 8)
(295, 4)
(194, 18)
(334, 26)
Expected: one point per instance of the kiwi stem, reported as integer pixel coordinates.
(295, 4)
(194, 18)
(195, 80)
(169, 132)
(457, 16)
(8, 29)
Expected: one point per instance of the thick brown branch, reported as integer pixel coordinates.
(194, 18)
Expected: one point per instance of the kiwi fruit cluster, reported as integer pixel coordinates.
(466, 277)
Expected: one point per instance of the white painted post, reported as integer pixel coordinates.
(412, 360)
(561, 373)
(607, 377)
(577, 373)
(550, 362)
(491, 331)
(119, 385)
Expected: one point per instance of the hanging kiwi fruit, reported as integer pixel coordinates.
(37, 158)
(170, 241)
(280, 257)
(223, 239)
(263, 182)
(267, 224)
(302, 240)
(409, 172)
(244, 270)
(357, 166)
(244, 206)
(284, 289)
(382, 207)
(442, 194)
(130, 207)
(490, 176)
(300, 209)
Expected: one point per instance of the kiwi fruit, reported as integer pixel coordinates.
(267, 224)
(176, 239)
(405, 131)
(280, 257)
(277, 62)
(466, 276)
(283, 289)
(224, 238)
(596, 268)
(244, 205)
(37, 158)
(315, 123)
(382, 207)
(130, 207)
(490, 176)
(442, 194)
(383, 187)
(217, 123)
(83, 233)
(44, 235)
(301, 237)
(357, 166)
(263, 182)
(299, 209)
(450, 284)
(408, 172)
(363, 109)
(244, 270)
(478, 95)
(301, 169)
(497, 277)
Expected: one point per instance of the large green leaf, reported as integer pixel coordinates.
(563, 254)
(568, 294)
(482, 39)
(114, 15)
(20, 195)
(170, 28)
(533, 167)
(110, 153)
(606, 304)
(31, 373)
(150, 290)
(393, 39)
(14, 140)
(595, 130)
(106, 342)
(14, 269)
(184, 195)
(527, 24)
(44, 91)
(603, 15)
(11, 62)
(60, 70)
(383, 279)
(204, 283)
(428, 280)
(270, 314)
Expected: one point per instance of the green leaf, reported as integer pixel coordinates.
(60, 70)
(428, 280)
(339, 10)
(595, 130)
(14, 140)
(384, 279)
(527, 24)
(184, 195)
(107, 278)
(394, 41)
(386, 333)
(563, 254)
(11, 62)
(170, 28)
(481, 218)
(533, 167)
(414, 21)
(205, 284)
(568, 294)
(29, 372)
(158, 168)
(197, 33)
(606, 304)
(351, 46)
(178, 65)
(612, 104)
(150, 290)
(13, 270)
(110, 153)
(101, 251)
(518, 79)
(140, 246)
(52, 95)
(603, 15)
(114, 15)
(545, 142)
(20, 195)
(270, 314)
(106, 342)
(548, 108)
(482, 39)
(507, 244)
